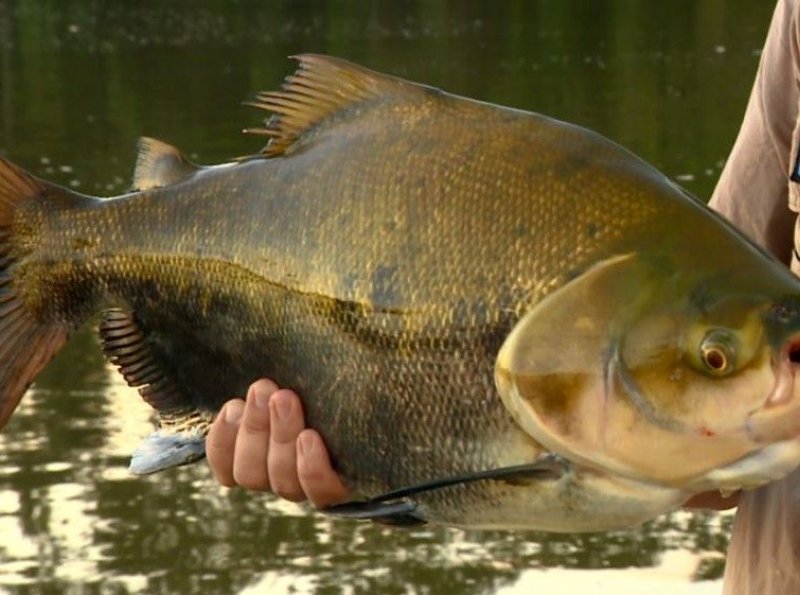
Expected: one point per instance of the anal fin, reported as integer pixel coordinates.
(180, 438)
(162, 450)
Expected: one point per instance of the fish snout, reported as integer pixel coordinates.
(779, 418)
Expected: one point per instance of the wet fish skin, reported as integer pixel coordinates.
(375, 260)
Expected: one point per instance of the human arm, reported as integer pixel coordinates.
(753, 191)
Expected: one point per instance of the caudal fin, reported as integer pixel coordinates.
(26, 343)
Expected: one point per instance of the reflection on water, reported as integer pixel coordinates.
(80, 81)
(71, 515)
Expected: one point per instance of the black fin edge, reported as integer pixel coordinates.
(124, 344)
(396, 508)
(402, 513)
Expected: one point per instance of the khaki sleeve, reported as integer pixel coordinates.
(753, 190)
(757, 194)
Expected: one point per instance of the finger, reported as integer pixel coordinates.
(317, 477)
(713, 501)
(252, 440)
(286, 423)
(221, 441)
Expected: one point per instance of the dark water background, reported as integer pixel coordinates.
(81, 80)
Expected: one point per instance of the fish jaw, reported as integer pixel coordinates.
(770, 463)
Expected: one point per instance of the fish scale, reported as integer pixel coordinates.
(454, 289)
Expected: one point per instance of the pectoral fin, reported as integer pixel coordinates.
(403, 513)
(398, 508)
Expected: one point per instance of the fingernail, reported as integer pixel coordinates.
(283, 406)
(233, 413)
(305, 443)
(260, 399)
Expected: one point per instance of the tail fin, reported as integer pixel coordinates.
(26, 343)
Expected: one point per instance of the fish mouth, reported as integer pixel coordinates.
(779, 418)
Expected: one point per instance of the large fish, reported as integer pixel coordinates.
(459, 291)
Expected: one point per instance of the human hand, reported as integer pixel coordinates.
(262, 444)
(712, 501)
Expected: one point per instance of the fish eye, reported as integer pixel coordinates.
(717, 352)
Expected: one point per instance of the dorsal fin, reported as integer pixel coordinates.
(321, 88)
(159, 164)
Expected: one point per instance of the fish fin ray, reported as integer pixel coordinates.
(397, 508)
(28, 352)
(27, 343)
(320, 89)
(164, 449)
(180, 439)
(159, 164)
(125, 344)
(16, 188)
(402, 513)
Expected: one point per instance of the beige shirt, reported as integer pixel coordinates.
(756, 191)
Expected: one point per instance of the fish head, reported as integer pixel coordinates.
(668, 375)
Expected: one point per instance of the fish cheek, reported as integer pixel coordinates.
(667, 386)
(555, 398)
(724, 371)
(701, 404)
(725, 404)
(663, 373)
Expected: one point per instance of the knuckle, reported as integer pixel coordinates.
(215, 442)
(214, 457)
(310, 473)
(283, 436)
(226, 482)
(251, 480)
(212, 445)
(220, 459)
(288, 491)
(255, 422)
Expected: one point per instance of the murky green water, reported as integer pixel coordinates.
(81, 80)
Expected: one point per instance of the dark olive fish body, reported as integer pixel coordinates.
(374, 259)
(241, 272)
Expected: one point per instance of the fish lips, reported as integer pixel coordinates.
(779, 417)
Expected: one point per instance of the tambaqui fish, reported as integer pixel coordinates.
(458, 291)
